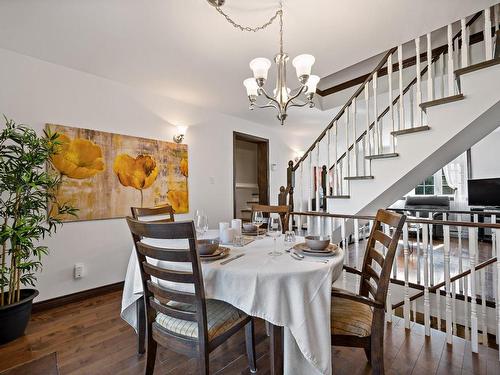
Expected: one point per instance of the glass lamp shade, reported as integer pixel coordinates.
(303, 64)
(312, 83)
(260, 66)
(251, 86)
(181, 130)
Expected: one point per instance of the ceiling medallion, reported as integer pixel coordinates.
(283, 97)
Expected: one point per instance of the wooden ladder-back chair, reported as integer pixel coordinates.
(357, 320)
(165, 210)
(183, 321)
(283, 211)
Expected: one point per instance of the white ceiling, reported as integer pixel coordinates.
(187, 51)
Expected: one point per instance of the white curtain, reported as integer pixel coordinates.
(456, 177)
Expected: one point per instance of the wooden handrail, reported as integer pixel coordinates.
(479, 213)
(349, 102)
(409, 220)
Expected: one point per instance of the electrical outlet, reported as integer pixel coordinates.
(78, 270)
(211, 179)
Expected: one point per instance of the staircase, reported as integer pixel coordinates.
(404, 123)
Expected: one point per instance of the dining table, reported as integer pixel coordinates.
(293, 295)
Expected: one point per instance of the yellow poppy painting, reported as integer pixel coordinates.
(104, 174)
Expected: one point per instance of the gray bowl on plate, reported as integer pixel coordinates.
(249, 227)
(207, 247)
(317, 242)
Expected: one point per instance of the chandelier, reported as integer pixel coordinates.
(282, 97)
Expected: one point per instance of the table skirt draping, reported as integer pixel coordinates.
(285, 292)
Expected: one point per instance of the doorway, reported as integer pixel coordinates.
(250, 173)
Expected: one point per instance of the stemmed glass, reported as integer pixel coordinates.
(201, 222)
(257, 220)
(274, 230)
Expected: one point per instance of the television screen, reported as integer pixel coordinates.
(484, 192)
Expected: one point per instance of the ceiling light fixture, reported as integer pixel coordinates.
(283, 97)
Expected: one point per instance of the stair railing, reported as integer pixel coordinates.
(403, 115)
(463, 298)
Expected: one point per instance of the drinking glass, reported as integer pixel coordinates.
(258, 220)
(274, 230)
(201, 222)
(289, 239)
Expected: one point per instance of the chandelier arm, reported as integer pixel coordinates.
(273, 100)
(268, 105)
(302, 89)
(293, 104)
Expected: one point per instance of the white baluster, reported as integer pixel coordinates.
(328, 163)
(356, 230)
(419, 82)
(441, 67)
(301, 204)
(317, 175)
(401, 124)
(472, 262)
(391, 106)
(466, 308)
(414, 306)
(344, 246)
(335, 158)
(446, 234)
(494, 253)
(430, 79)
(310, 174)
(454, 307)
(451, 76)
(483, 305)
(406, 306)
(376, 131)
(465, 43)
(419, 271)
(488, 43)
(348, 166)
(427, 307)
(496, 271)
(367, 136)
(460, 261)
(431, 254)
(355, 135)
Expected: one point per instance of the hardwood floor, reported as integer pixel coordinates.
(91, 338)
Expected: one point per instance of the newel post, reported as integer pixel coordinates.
(324, 174)
(290, 181)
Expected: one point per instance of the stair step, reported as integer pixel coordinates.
(338, 196)
(354, 178)
(382, 156)
(481, 65)
(411, 130)
(446, 99)
(255, 194)
(253, 202)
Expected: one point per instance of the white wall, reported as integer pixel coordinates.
(484, 156)
(35, 92)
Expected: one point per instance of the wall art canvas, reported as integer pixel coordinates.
(104, 174)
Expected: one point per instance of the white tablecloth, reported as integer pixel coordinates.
(289, 293)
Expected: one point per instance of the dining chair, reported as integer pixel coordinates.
(283, 211)
(166, 211)
(183, 321)
(357, 320)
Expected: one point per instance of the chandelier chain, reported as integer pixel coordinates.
(279, 13)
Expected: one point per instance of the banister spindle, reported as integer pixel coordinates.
(427, 307)
(442, 74)
(328, 164)
(335, 158)
(406, 306)
(451, 76)
(496, 271)
(355, 137)
(310, 187)
(391, 106)
(300, 220)
(472, 263)
(431, 254)
(460, 257)
(367, 136)
(465, 43)
(419, 271)
(430, 78)
(376, 130)
(484, 324)
(448, 314)
(401, 124)
(488, 45)
(494, 253)
(317, 175)
(419, 82)
(348, 160)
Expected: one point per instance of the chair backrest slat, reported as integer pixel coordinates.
(160, 253)
(165, 210)
(373, 282)
(168, 275)
(166, 294)
(177, 230)
(283, 211)
(173, 312)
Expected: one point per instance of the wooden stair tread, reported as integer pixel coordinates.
(354, 178)
(338, 196)
(250, 202)
(410, 130)
(246, 210)
(478, 66)
(382, 156)
(445, 100)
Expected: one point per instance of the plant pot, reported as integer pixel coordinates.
(14, 318)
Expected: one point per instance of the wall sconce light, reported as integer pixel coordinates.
(181, 133)
(298, 155)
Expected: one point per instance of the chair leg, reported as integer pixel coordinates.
(377, 351)
(203, 363)
(141, 325)
(250, 345)
(150, 354)
(368, 353)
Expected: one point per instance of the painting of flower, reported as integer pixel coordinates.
(104, 174)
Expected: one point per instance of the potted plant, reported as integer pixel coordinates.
(27, 191)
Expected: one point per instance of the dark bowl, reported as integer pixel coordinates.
(249, 227)
(207, 247)
(317, 242)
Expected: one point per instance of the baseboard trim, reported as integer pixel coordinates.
(76, 297)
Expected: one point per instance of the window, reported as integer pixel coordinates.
(447, 190)
(426, 187)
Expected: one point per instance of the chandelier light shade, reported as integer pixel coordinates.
(303, 65)
(260, 67)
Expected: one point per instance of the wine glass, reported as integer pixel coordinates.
(201, 222)
(257, 220)
(274, 230)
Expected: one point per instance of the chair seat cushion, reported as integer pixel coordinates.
(350, 317)
(221, 316)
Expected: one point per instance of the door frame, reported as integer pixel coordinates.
(262, 166)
